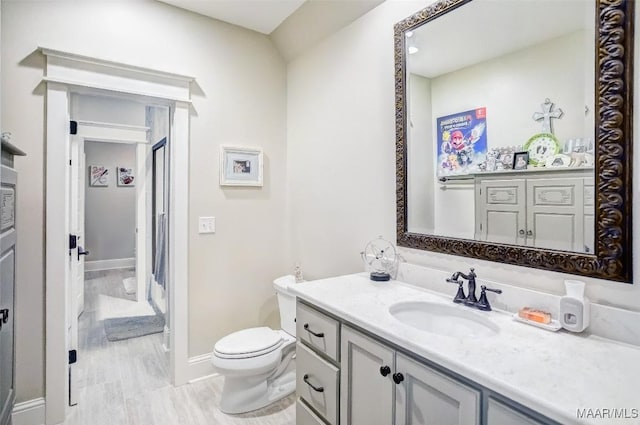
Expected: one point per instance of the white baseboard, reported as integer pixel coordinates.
(118, 263)
(200, 367)
(31, 412)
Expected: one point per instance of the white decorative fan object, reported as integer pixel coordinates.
(380, 256)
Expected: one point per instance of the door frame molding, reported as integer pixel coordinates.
(67, 73)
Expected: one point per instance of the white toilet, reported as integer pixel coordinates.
(258, 364)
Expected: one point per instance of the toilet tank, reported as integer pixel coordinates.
(286, 303)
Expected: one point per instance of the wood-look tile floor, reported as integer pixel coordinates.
(127, 382)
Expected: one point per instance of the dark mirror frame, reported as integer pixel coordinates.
(613, 157)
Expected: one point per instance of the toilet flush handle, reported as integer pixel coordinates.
(318, 334)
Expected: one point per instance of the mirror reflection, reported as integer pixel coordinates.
(500, 98)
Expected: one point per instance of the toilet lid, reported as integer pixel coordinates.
(249, 342)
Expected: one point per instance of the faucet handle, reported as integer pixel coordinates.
(483, 302)
(460, 296)
(484, 288)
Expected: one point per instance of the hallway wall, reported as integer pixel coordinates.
(110, 212)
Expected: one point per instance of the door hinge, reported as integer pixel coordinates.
(480, 226)
(73, 127)
(73, 356)
(69, 162)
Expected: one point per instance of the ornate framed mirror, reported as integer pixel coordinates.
(514, 136)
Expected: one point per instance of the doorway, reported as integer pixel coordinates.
(113, 188)
(66, 74)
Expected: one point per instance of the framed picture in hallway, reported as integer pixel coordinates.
(98, 176)
(240, 166)
(125, 176)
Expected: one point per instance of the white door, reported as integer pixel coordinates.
(75, 284)
(77, 217)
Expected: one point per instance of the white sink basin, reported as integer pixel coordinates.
(447, 320)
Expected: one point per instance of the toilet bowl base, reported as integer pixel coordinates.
(245, 394)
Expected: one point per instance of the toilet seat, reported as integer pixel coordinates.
(252, 342)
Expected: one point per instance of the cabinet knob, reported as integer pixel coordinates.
(385, 370)
(529, 233)
(521, 232)
(398, 377)
(4, 316)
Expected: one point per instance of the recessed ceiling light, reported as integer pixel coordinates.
(408, 34)
(413, 49)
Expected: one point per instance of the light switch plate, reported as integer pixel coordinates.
(206, 225)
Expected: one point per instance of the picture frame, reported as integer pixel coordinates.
(125, 176)
(98, 176)
(520, 160)
(241, 166)
(558, 161)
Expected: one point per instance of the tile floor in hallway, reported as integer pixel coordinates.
(126, 382)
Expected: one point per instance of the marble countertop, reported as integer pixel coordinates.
(553, 373)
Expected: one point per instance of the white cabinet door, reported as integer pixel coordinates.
(555, 213)
(426, 397)
(8, 237)
(366, 380)
(500, 414)
(501, 211)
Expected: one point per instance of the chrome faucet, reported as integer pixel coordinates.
(471, 279)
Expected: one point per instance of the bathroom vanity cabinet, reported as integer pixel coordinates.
(370, 381)
(543, 209)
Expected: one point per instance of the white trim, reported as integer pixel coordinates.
(75, 70)
(116, 263)
(97, 75)
(94, 131)
(200, 367)
(178, 296)
(143, 216)
(166, 334)
(56, 245)
(29, 412)
(111, 66)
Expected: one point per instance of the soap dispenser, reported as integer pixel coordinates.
(574, 307)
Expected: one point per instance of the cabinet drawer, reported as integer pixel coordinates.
(312, 371)
(501, 414)
(304, 415)
(317, 330)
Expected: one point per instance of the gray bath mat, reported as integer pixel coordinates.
(121, 328)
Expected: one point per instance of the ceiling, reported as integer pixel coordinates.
(292, 25)
(259, 15)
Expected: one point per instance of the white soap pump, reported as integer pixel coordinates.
(574, 307)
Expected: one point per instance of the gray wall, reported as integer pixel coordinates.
(110, 212)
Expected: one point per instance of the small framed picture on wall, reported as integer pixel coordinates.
(125, 176)
(240, 166)
(98, 176)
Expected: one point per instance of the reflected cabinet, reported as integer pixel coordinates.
(542, 210)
